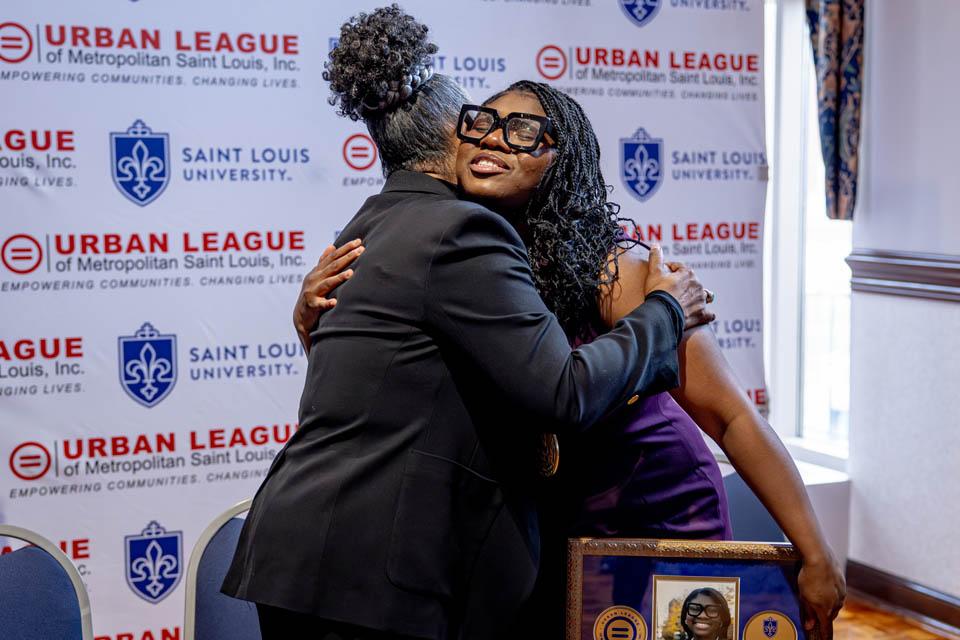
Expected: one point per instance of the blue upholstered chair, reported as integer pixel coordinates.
(41, 594)
(750, 519)
(209, 614)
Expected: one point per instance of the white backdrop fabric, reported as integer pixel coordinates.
(170, 170)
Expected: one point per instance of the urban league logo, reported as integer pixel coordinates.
(15, 42)
(640, 12)
(551, 62)
(152, 561)
(359, 152)
(770, 627)
(21, 254)
(30, 461)
(148, 365)
(640, 164)
(139, 160)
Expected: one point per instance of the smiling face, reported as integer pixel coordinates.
(491, 172)
(703, 626)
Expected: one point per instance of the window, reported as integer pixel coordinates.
(806, 280)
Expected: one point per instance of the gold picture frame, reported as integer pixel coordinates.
(727, 566)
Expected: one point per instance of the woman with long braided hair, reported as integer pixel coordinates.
(568, 224)
(646, 470)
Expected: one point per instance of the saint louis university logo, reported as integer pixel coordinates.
(640, 12)
(153, 561)
(641, 164)
(139, 160)
(148, 365)
(770, 627)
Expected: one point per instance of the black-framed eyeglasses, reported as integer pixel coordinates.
(521, 131)
(694, 609)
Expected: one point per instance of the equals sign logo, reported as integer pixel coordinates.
(21, 254)
(551, 62)
(620, 632)
(15, 42)
(30, 461)
(359, 152)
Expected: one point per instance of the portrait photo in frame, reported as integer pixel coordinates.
(639, 589)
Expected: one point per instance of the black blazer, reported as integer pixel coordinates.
(401, 502)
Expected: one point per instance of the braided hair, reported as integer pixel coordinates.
(381, 72)
(572, 230)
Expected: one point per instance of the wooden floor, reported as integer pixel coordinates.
(861, 621)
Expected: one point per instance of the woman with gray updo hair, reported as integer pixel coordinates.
(401, 508)
(381, 72)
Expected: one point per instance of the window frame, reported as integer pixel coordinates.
(784, 240)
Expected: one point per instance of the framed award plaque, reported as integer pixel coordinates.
(634, 589)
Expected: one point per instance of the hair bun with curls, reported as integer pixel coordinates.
(382, 58)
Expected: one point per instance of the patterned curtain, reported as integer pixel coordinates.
(836, 31)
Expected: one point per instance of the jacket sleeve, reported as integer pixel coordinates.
(481, 299)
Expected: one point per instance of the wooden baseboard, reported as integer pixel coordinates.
(927, 605)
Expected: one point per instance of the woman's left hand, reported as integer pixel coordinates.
(331, 271)
(822, 591)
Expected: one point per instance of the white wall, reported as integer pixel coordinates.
(905, 439)
(905, 430)
(910, 189)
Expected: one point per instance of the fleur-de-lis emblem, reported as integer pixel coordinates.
(770, 627)
(640, 11)
(153, 561)
(641, 164)
(153, 567)
(141, 162)
(147, 370)
(140, 167)
(148, 364)
(643, 169)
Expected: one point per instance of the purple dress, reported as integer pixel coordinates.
(645, 471)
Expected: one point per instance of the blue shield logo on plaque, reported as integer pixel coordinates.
(148, 365)
(640, 12)
(140, 162)
(641, 165)
(153, 562)
(770, 627)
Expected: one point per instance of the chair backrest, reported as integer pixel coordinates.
(750, 519)
(41, 594)
(209, 614)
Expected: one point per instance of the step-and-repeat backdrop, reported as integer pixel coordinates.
(170, 170)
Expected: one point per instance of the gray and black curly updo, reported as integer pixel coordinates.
(381, 72)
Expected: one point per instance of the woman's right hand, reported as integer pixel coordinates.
(679, 281)
(822, 591)
(331, 271)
